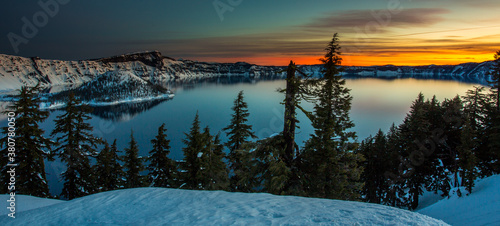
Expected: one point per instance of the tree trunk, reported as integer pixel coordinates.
(289, 125)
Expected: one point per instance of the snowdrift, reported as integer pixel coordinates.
(25, 202)
(481, 207)
(161, 206)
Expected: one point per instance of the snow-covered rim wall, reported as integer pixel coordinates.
(17, 71)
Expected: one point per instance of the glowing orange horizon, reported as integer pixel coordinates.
(360, 60)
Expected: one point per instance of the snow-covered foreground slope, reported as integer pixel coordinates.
(161, 206)
(25, 202)
(482, 207)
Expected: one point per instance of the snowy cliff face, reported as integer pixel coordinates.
(149, 66)
(153, 67)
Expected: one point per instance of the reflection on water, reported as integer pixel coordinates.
(443, 77)
(126, 111)
(377, 103)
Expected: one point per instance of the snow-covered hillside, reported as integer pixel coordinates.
(151, 66)
(481, 207)
(114, 87)
(17, 71)
(162, 206)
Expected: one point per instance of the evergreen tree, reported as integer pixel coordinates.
(239, 133)
(214, 173)
(478, 109)
(30, 147)
(108, 171)
(299, 86)
(162, 169)
(466, 159)
(453, 120)
(415, 129)
(76, 145)
(190, 166)
(441, 148)
(494, 115)
(272, 173)
(495, 79)
(329, 157)
(375, 152)
(396, 187)
(133, 164)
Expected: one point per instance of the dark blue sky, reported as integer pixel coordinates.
(258, 31)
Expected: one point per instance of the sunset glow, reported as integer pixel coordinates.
(397, 32)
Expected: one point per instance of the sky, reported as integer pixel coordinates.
(265, 32)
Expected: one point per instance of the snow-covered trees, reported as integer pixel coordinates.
(190, 166)
(213, 171)
(203, 167)
(30, 145)
(495, 79)
(75, 145)
(162, 169)
(375, 151)
(239, 133)
(108, 170)
(438, 146)
(133, 165)
(494, 130)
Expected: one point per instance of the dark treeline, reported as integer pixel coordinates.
(438, 146)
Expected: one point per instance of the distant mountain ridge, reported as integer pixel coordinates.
(467, 72)
(154, 68)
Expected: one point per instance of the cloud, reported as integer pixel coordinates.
(452, 30)
(309, 39)
(484, 4)
(383, 18)
(240, 46)
(291, 44)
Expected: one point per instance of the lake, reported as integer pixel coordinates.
(377, 104)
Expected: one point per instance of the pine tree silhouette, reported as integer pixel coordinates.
(239, 133)
(76, 145)
(31, 146)
(133, 164)
(162, 169)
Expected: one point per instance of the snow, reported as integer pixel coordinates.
(481, 207)
(132, 100)
(59, 105)
(17, 71)
(162, 206)
(428, 198)
(25, 203)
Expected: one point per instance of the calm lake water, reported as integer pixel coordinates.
(377, 104)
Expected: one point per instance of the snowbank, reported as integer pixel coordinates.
(482, 207)
(25, 202)
(161, 206)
